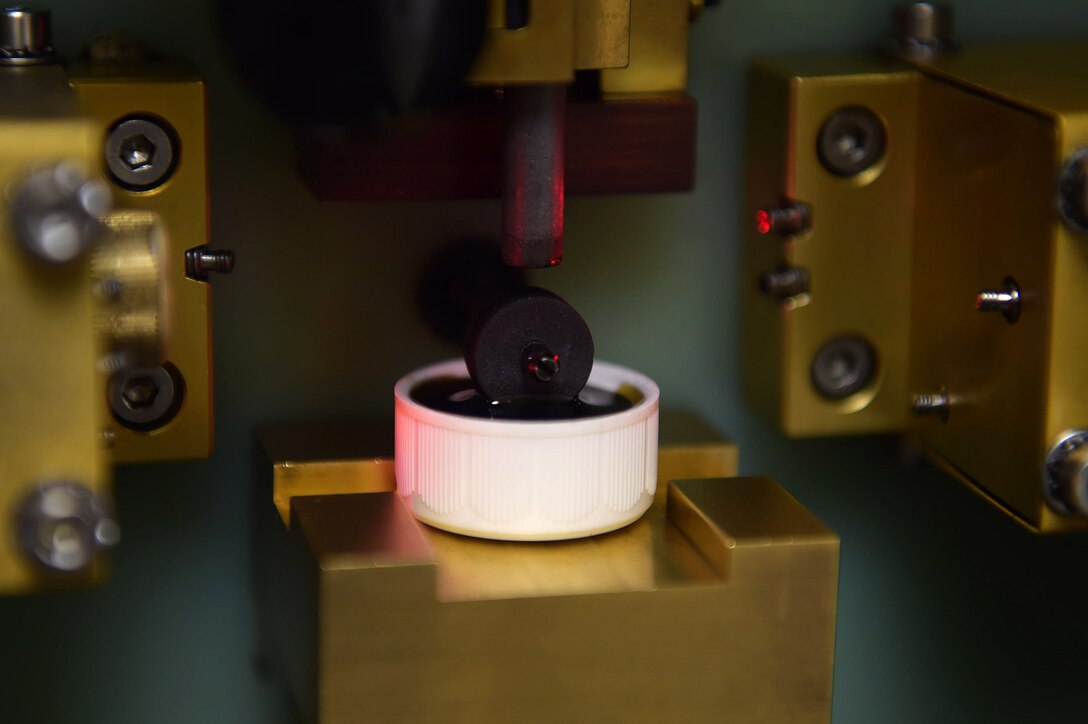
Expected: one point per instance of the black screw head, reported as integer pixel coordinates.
(141, 153)
(146, 399)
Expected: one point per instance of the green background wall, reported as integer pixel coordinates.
(947, 611)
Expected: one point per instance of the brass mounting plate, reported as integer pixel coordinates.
(109, 94)
(857, 252)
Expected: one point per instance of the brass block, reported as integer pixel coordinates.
(177, 96)
(723, 609)
(561, 36)
(963, 202)
(53, 416)
(857, 252)
(1001, 122)
(658, 51)
(327, 459)
(337, 458)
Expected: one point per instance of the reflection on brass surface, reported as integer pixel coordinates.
(659, 50)
(1005, 118)
(108, 95)
(128, 267)
(561, 36)
(857, 252)
(376, 617)
(52, 413)
(330, 459)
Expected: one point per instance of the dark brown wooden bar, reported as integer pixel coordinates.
(626, 145)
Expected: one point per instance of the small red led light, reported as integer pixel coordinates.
(763, 222)
(555, 261)
(555, 358)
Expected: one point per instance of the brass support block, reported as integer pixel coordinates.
(719, 602)
(173, 95)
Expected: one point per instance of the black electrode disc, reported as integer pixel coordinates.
(532, 344)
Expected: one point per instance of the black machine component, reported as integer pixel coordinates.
(459, 281)
(529, 345)
(352, 60)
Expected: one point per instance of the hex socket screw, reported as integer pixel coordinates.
(141, 153)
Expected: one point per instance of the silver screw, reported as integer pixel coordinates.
(55, 213)
(1006, 300)
(922, 30)
(25, 36)
(140, 154)
(1065, 474)
(62, 525)
(935, 404)
(1073, 191)
(200, 261)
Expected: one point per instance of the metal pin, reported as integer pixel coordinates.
(1006, 301)
(931, 403)
(200, 261)
(790, 218)
(785, 282)
(541, 362)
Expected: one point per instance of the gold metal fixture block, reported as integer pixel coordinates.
(561, 36)
(857, 252)
(965, 201)
(53, 415)
(720, 604)
(658, 50)
(108, 94)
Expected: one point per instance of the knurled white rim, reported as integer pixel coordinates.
(527, 480)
